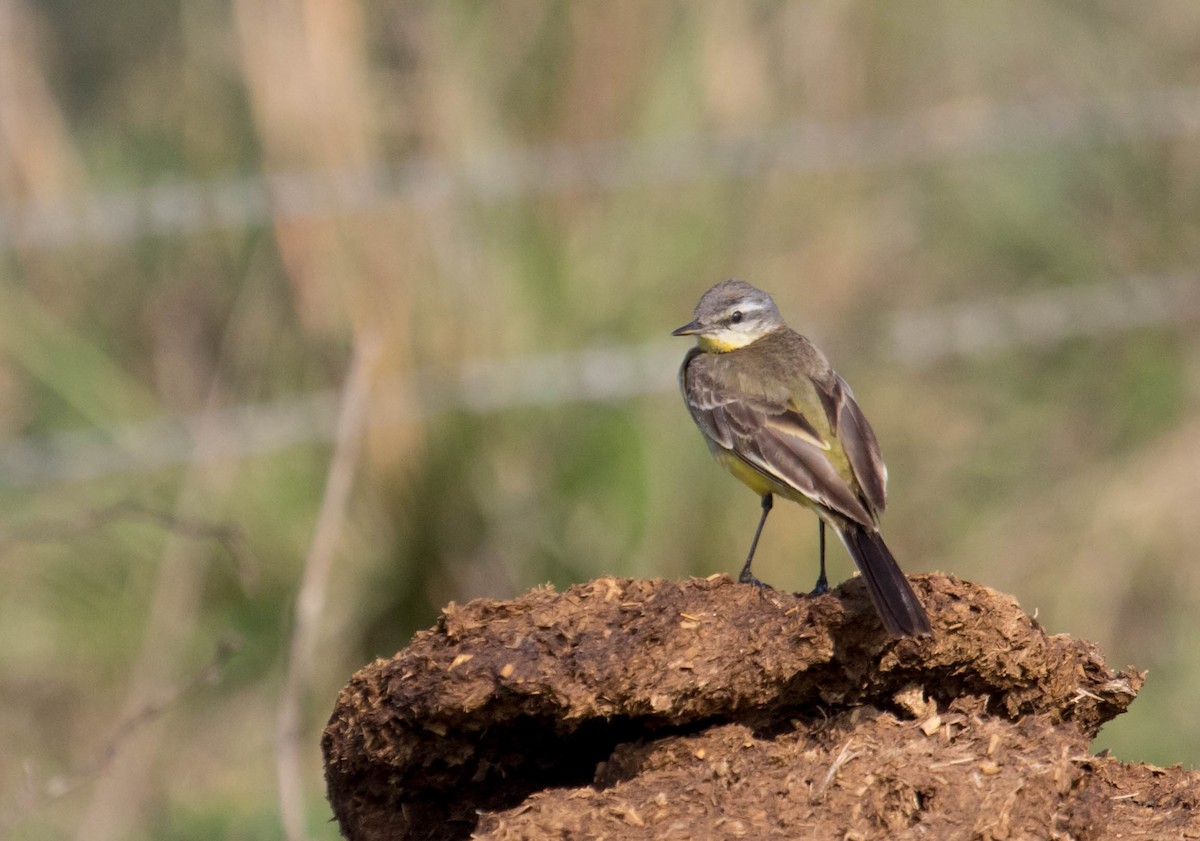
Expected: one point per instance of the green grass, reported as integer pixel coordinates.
(1007, 467)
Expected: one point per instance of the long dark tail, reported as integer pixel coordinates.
(893, 597)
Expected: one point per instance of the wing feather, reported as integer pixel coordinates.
(859, 442)
(774, 437)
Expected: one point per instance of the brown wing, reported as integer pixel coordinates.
(857, 439)
(771, 436)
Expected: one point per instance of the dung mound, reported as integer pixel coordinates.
(703, 708)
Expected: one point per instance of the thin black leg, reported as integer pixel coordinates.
(822, 581)
(744, 576)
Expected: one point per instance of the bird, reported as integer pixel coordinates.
(777, 416)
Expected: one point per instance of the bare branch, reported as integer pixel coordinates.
(230, 537)
(38, 797)
(310, 600)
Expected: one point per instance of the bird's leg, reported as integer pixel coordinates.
(744, 577)
(822, 581)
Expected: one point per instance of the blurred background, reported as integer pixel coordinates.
(370, 302)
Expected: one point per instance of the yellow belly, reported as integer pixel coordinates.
(758, 482)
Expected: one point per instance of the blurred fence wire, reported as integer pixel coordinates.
(955, 130)
(1044, 317)
(915, 339)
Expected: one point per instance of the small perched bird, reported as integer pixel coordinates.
(777, 416)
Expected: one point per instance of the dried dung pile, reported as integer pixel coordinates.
(626, 708)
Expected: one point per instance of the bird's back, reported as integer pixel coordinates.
(783, 383)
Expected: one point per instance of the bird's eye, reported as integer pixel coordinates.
(736, 317)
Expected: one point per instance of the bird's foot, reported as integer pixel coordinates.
(747, 578)
(821, 588)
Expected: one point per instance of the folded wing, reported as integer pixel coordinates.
(779, 441)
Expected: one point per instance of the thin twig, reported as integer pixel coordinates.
(844, 756)
(61, 785)
(121, 792)
(310, 599)
(231, 538)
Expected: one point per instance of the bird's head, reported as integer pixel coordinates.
(731, 315)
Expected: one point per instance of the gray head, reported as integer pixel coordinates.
(732, 315)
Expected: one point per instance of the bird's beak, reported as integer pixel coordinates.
(689, 329)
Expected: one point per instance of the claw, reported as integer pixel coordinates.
(747, 578)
